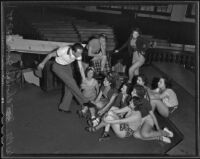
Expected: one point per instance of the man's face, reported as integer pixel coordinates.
(102, 41)
(78, 53)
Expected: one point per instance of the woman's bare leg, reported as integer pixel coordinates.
(116, 127)
(148, 133)
(118, 132)
(134, 68)
(161, 107)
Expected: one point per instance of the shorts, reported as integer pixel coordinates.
(129, 131)
(97, 66)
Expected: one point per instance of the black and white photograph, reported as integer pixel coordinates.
(100, 79)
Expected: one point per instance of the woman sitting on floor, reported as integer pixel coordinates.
(90, 89)
(104, 100)
(139, 120)
(121, 101)
(165, 101)
(124, 96)
(147, 131)
(143, 81)
(149, 134)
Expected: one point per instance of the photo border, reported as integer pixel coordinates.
(3, 79)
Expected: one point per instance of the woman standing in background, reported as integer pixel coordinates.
(137, 47)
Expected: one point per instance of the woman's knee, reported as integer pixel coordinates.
(132, 69)
(99, 105)
(145, 130)
(161, 107)
(144, 134)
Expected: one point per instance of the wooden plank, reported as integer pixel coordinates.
(19, 44)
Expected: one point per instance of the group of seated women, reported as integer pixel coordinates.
(128, 110)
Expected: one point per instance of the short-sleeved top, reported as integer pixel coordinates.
(120, 102)
(144, 108)
(89, 90)
(170, 98)
(65, 56)
(95, 45)
(109, 94)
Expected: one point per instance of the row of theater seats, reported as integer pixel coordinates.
(88, 29)
(70, 29)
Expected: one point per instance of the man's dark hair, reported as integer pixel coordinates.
(102, 35)
(77, 46)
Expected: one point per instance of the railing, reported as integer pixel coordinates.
(170, 55)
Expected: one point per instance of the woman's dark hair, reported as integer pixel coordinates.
(168, 82)
(154, 82)
(137, 102)
(129, 87)
(77, 46)
(137, 30)
(89, 69)
(144, 79)
(140, 91)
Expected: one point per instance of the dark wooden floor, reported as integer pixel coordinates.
(39, 128)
